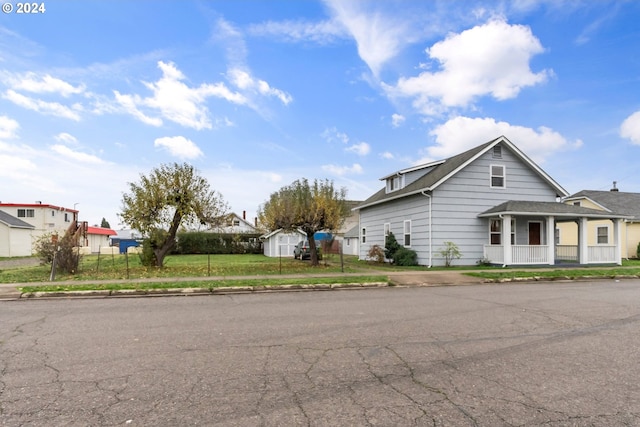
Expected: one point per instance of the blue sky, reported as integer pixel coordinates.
(257, 94)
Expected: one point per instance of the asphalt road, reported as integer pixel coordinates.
(539, 354)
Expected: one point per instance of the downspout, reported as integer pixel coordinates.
(502, 225)
(430, 231)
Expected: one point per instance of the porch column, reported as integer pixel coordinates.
(506, 239)
(551, 240)
(617, 238)
(582, 241)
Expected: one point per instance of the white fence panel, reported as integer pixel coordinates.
(494, 253)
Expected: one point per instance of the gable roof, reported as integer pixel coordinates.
(519, 207)
(13, 222)
(445, 169)
(616, 201)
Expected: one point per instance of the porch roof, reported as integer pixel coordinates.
(520, 207)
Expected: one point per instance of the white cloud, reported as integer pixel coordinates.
(361, 148)
(462, 133)
(245, 81)
(322, 32)
(44, 107)
(31, 82)
(8, 128)
(65, 151)
(343, 170)
(630, 128)
(490, 59)
(66, 138)
(179, 146)
(177, 102)
(333, 135)
(387, 155)
(397, 120)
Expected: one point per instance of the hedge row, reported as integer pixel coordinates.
(218, 243)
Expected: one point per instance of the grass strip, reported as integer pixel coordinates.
(605, 273)
(210, 284)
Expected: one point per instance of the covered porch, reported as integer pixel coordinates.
(524, 233)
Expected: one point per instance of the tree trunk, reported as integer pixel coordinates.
(313, 250)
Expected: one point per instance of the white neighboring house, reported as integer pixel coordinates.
(280, 243)
(233, 224)
(45, 218)
(15, 236)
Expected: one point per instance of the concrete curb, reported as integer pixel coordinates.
(191, 291)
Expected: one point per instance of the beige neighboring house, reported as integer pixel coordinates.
(601, 232)
(15, 236)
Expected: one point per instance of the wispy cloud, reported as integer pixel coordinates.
(361, 148)
(354, 169)
(78, 156)
(44, 107)
(8, 128)
(322, 32)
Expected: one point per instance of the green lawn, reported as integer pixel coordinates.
(107, 267)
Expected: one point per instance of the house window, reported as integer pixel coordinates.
(53, 213)
(557, 236)
(497, 176)
(497, 151)
(495, 231)
(26, 213)
(407, 232)
(66, 217)
(364, 235)
(394, 183)
(387, 231)
(603, 235)
(577, 204)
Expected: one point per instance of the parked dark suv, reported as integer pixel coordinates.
(302, 250)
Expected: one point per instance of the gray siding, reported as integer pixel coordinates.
(455, 207)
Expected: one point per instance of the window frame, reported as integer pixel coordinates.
(26, 213)
(598, 242)
(363, 235)
(497, 152)
(492, 176)
(499, 232)
(406, 235)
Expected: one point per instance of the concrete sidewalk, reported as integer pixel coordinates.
(10, 291)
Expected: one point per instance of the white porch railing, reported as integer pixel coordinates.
(567, 253)
(520, 254)
(601, 254)
(529, 254)
(539, 254)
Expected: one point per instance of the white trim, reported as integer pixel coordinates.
(404, 233)
(608, 227)
(386, 229)
(504, 176)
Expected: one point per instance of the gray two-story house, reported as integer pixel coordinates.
(492, 201)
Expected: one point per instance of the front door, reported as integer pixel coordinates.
(535, 231)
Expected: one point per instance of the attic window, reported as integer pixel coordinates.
(394, 183)
(497, 151)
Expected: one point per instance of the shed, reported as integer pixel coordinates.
(97, 237)
(281, 243)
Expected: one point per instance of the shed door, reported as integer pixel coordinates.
(535, 229)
